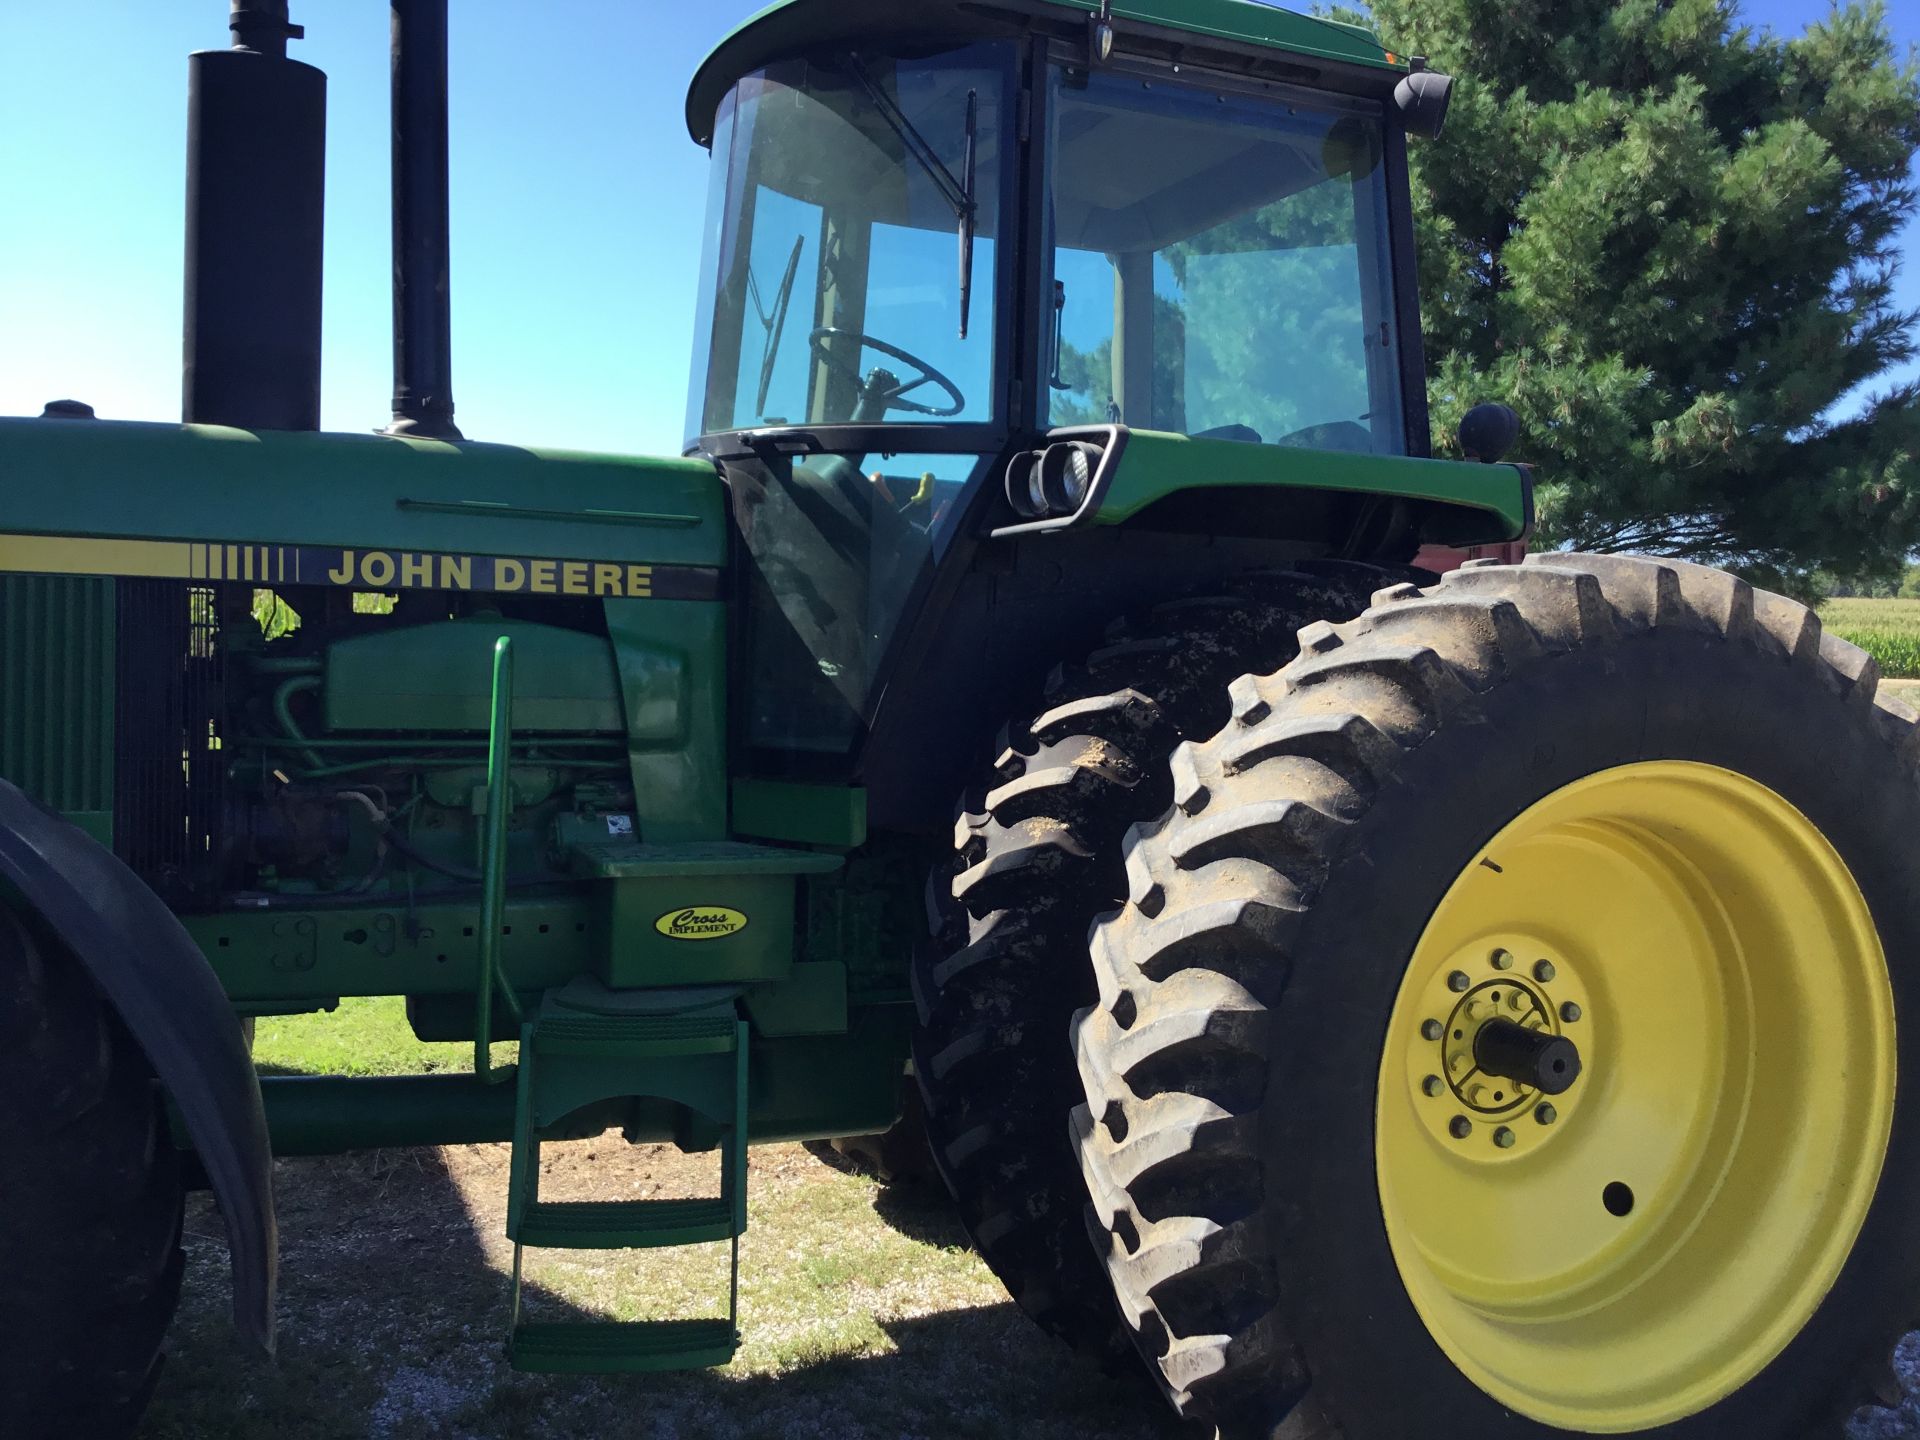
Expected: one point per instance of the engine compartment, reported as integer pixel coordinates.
(328, 746)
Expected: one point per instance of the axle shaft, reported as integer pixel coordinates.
(1533, 1058)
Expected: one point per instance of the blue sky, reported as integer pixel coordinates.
(577, 207)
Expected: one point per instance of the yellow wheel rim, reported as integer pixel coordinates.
(1635, 1248)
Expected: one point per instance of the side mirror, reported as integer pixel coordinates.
(1488, 432)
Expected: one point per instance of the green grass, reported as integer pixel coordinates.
(864, 1317)
(365, 1036)
(1888, 630)
(865, 1314)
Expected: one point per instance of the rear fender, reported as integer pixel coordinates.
(1457, 502)
(170, 1000)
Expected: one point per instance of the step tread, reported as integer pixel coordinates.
(625, 1224)
(600, 1346)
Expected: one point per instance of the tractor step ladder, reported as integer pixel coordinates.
(579, 1049)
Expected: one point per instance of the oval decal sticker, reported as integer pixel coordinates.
(701, 922)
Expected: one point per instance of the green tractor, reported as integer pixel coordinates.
(1367, 1002)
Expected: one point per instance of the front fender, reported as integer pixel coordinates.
(169, 998)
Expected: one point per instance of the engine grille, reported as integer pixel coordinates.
(169, 783)
(57, 690)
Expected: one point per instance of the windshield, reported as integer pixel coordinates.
(852, 244)
(1220, 265)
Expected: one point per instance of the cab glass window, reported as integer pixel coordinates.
(1220, 265)
(853, 236)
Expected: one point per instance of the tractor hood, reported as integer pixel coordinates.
(1351, 57)
(360, 511)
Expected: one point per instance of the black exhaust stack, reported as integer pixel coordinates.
(422, 297)
(256, 182)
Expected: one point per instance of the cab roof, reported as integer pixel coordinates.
(1323, 49)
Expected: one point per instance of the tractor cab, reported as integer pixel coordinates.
(936, 239)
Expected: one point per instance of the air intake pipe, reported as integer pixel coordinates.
(422, 294)
(256, 182)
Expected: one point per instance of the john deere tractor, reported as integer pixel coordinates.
(1364, 1001)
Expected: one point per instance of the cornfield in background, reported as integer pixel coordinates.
(1888, 630)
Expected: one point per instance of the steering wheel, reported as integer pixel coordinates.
(882, 387)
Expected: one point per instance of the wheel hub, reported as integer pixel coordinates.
(1625, 1253)
(1496, 1013)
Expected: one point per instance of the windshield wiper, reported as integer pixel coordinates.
(969, 215)
(957, 192)
(775, 324)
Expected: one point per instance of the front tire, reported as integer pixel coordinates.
(1657, 813)
(90, 1203)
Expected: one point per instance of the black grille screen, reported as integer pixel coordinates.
(169, 775)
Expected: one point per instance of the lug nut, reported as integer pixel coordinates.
(1502, 960)
(1545, 1114)
(1570, 1012)
(1433, 1085)
(1503, 1137)
(1517, 1000)
(1461, 1127)
(1543, 971)
(1432, 1030)
(1458, 981)
(1477, 1096)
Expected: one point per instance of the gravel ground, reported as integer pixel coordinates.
(1902, 1423)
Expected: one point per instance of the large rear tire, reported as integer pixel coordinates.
(1038, 856)
(1634, 808)
(90, 1204)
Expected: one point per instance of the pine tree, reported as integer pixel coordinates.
(1668, 241)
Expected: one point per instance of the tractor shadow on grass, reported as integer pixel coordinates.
(394, 1307)
(921, 1210)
